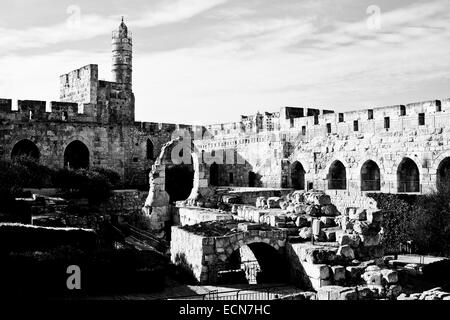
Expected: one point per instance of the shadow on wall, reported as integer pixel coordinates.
(258, 263)
(185, 272)
(231, 171)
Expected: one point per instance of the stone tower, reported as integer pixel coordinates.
(122, 50)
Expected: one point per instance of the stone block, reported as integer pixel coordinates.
(373, 278)
(301, 222)
(329, 293)
(330, 235)
(390, 276)
(290, 208)
(354, 272)
(261, 202)
(358, 214)
(329, 210)
(313, 210)
(346, 252)
(338, 273)
(316, 227)
(319, 283)
(305, 233)
(328, 222)
(317, 198)
(300, 209)
(273, 202)
(317, 271)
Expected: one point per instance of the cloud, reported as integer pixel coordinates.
(80, 26)
(250, 59)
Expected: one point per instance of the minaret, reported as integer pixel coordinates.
(122, 50)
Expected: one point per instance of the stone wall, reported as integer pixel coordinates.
(187, 250)
(204, 255)
(194, 215)
(387, 136)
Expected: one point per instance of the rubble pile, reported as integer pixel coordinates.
(346, 252)
(433, 294)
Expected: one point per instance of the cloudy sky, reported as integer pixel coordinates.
(209, 61)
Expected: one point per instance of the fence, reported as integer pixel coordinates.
(268, 293)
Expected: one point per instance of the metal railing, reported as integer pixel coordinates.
(267, 293)
(385, 186)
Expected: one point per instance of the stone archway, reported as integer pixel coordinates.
(443, 175)
(25, 148)
(370, 176)
(297, 176)
(253, 263)
(76, 155)
(207, 255)
(179, 181)
(408, 176)
(337, 176)
(163, 180)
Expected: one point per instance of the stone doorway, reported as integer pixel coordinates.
(337, 176)
(370, 177)
(443, 176)
(179, 181)
(408, 176)
(76, 156)
(297, 176)
(25, 148)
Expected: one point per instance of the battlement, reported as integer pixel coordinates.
(158, 127)
(428, 114)
(35, 110)
(292, 124)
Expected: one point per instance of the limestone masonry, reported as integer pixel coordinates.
(396, 149)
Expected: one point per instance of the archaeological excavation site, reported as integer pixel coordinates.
(295, 204)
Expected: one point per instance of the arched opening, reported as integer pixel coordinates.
(408, 176)
(25, 148)
(255, 263)
(214, 175)
(179, 181)
(251, 179)
(443, 175)
(150, 150)
(297, 176)
(337, 176)
(76, 156)
(370, 177)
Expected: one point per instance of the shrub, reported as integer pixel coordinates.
(430, 224)
(20, 237)
(424, 220)
(396, 215)
(83, 183)
(112, 176)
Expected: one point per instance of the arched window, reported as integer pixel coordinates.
(150, 150)
(76, 156)
(337, 176)
(408, 176)
(370, 177)
(443, 176)
(297, 176)
(25, 148)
